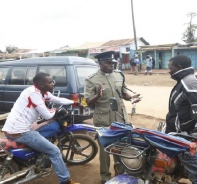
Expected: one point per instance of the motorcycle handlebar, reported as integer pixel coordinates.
(41, 121)
(70, 110)
(188, 137)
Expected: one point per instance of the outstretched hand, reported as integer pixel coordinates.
(136, 98)
(99, 90)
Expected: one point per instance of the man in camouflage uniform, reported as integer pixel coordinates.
(99, 87)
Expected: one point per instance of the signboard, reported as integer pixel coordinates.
(99, 50)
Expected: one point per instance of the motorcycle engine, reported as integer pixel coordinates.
(132, 164)
(43, 162)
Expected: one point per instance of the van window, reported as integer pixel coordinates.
(57, 72)
(84, 72)
(17, 76)
(3, 74)
(31, 72)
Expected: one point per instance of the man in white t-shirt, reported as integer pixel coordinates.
(26, 110)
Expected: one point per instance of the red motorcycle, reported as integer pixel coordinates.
(148, 156)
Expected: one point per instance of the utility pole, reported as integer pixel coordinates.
(134, 31)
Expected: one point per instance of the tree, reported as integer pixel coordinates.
(189, 34)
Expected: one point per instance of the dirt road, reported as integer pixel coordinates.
(154, 100)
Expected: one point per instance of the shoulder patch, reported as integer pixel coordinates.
(94, 74)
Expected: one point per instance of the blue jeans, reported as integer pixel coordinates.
(49, 130)
(36, 141)
(190, 163)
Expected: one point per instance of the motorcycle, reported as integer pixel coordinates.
(148, 156)
(19, 163)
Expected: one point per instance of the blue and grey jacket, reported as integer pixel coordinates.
(183, 95)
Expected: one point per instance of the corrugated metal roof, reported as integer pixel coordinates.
(167, 46)
(162, 45)
(121, 42)
(155, 48)
(87, 45)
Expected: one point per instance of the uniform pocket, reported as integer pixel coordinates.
(101, 116)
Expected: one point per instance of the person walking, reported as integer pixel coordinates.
(160, 62)
(26, 110)
(148, 65)
(99, 87)
(132, 65)
(137, 64)
(153, 62)
(181, 116)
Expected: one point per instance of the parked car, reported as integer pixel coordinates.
(69, 73)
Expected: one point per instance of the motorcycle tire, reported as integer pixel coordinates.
(86, 149)
(12, 168)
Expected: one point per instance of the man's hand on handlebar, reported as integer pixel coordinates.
(81, 107)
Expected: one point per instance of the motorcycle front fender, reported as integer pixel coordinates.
(125, 179)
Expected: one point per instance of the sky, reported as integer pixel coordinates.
(51, 24)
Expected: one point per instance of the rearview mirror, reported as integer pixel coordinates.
(113, 104)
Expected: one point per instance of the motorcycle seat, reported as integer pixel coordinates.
(10, 144)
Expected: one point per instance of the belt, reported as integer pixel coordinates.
(13, 135)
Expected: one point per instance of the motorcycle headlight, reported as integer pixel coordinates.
(132, 164)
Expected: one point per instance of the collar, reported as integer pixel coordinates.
(103, 73)
(36, 89)
(182, 73)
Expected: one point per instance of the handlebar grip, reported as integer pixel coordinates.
(41, 121)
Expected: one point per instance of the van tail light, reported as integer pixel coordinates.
(75, 98)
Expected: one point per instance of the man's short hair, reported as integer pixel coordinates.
(39, 77)
(181, 60)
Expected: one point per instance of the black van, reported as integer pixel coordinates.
(69, 73)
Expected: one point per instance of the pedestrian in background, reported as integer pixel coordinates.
(153, 62)
(148, 65)
(137, 63)
(140, 65)
(160, 62)
(132, 65)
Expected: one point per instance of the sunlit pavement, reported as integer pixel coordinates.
(154, 100)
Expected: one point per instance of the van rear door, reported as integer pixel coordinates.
(3, 80)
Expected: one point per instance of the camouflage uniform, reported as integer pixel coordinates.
(103, 116)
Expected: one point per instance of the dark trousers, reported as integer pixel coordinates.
(105, 164)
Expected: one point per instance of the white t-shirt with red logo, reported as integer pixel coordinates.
(28, 107)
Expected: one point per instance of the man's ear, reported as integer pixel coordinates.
(40, 84)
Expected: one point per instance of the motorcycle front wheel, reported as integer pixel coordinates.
(80, 149)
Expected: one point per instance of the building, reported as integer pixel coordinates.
(167, 51)
(125, 49)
